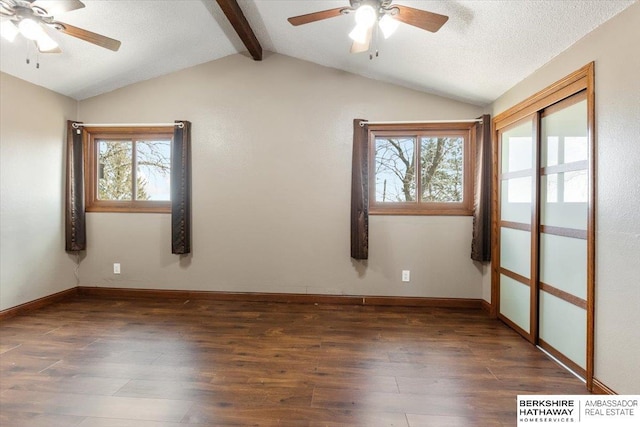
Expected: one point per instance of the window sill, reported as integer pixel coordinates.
(420, 212)
(164, 208)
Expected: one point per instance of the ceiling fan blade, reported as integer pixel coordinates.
(420, 18)
(357, 47)
(88, 36)
(55, 7)
(316, 16)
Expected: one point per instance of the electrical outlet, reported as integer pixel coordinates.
(406, 275)
(116, 268)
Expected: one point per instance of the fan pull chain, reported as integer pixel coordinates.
(375, 43)
(28, 60)
(28, 51)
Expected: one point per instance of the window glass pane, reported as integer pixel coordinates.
(114, 170)
(153, 170)
(395, 169)
(442, 169)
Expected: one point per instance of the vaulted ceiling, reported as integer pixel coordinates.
(484, 48)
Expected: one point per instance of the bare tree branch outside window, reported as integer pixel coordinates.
(117, 163)
(395, 170)
(440, 170)
(442, 163)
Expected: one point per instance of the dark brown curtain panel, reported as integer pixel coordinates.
(75, 222)
(181, 189)
(360, 192)
(481, 241)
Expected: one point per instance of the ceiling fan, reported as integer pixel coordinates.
(368, 12)
(31, 18)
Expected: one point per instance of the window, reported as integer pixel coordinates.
(128, 169)
(421, 169)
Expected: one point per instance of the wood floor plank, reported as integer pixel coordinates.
(18, 362)
(74, 384)
(68, 368)
(101, 362)
(211, 415)
(229, 395)
(391, 402)
(435, 420)
(24, 419)
(114, 422)
(85, 405)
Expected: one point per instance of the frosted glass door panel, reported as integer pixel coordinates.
(564, 135)
(564, 196)
(567, 187)
(564, 327)
(563, 264)
(568, 215)
(517, 148)
(564, 199)
(515, 251)
(515, 203)
(515, 302)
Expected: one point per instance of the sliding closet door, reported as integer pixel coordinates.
(564, 197)
(517, 187)
(543, 273)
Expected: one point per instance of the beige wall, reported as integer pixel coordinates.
(614, 48)
(271, 187)
(33, 263)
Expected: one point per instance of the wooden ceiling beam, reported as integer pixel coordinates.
(239, 23)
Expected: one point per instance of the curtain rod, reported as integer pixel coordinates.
(131, 125)
(414, 122)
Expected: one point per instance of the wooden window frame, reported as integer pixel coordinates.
(90, 137)
(464, 208)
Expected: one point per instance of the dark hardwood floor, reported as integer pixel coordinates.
(96, 362)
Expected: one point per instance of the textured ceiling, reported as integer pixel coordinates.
(484, 49)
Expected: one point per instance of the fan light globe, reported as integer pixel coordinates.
(46, 43)
(30, 29)
(366, 16)
(388, 25)
(8, 30)
(359, 34)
